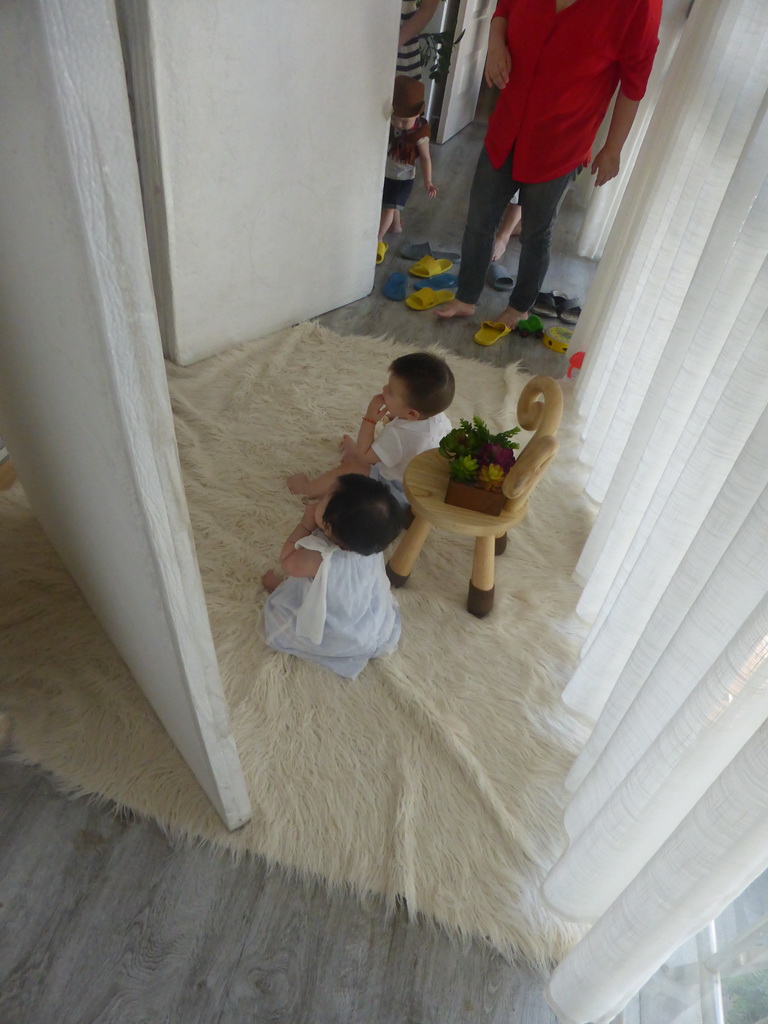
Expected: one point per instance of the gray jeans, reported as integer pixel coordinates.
(491, 192)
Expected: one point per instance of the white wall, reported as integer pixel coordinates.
(83, 395)
(271, 130)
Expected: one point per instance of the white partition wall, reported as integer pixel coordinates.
(263, 132)
(85, 407)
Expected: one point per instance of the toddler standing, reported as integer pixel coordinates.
(408, 142)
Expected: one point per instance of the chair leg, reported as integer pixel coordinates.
(481, 590)
(400, 564)
(501, 544)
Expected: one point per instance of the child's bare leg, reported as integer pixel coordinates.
(397, 222)
(271, 580)
(387, 216)
(300, 483)
(510, 225)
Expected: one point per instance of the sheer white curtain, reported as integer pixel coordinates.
(668, 818)
(602, 204)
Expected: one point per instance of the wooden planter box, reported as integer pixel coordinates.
(474, 498)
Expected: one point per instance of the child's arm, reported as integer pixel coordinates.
(362, 447)
(411, 28)
(426, 167)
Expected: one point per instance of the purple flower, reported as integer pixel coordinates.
(490, 453)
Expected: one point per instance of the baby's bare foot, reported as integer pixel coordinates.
(348, 449)
(454, 308)
(271, 580)
(298, 483)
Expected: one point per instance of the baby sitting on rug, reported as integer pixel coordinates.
(420, 387)
(336, 607)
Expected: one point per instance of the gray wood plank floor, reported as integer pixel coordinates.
(104, 919)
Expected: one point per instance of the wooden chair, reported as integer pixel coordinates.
(539, 409)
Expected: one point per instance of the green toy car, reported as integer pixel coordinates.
(532, 325)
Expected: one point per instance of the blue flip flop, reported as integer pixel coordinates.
(395, 287)
(449, 281)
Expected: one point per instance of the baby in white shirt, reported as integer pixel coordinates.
(419, 390)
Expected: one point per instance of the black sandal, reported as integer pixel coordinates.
(546, 304)
(568, 310)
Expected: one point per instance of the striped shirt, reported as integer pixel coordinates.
(409, 56)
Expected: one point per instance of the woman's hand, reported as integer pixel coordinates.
(606, 165)
(498, 63)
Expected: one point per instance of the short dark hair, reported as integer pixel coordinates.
(428, 380)
(362, 514)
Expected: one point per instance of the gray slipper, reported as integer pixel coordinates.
(498, 277)
(415, 250)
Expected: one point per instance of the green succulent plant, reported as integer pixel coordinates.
(471, 435)
(464, 468)
(490, 478)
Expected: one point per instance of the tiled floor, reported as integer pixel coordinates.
(441, 221)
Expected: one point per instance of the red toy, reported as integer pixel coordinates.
(575, 362)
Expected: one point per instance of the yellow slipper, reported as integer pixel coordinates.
(426, 298)
(381, 249)
(429, 267)
(490, 332)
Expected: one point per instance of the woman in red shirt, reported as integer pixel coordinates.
(557, 64)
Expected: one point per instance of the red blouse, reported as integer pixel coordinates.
(565, 69)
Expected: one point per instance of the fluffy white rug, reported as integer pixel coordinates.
(436, 775)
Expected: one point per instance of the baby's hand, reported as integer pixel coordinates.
(376, 408)
(431, 191)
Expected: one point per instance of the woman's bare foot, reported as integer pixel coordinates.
(299, 484)
(511, 317)
(454, 308)
(271, 580)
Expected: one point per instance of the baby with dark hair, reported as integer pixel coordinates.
(420, 387)
(336, 606)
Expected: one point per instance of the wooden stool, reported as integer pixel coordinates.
(539, 409)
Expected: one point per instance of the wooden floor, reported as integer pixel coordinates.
(103, 919)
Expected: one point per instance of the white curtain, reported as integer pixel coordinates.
(602, 203)
(668, 817)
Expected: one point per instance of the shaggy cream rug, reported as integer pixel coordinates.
(435, 776)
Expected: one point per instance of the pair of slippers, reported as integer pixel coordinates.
(396, 287)
(555, 305)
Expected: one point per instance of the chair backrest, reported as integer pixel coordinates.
(539, 408)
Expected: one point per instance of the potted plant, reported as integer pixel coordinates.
(479, 462)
